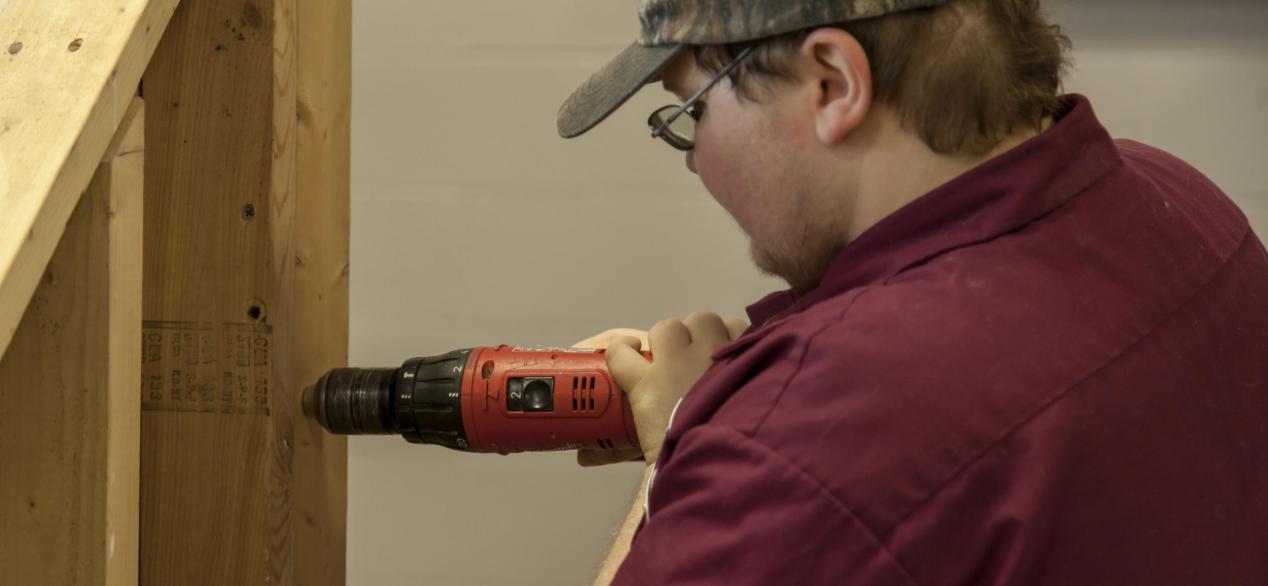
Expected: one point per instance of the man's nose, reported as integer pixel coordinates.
(691, 161)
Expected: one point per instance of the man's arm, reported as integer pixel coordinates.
(683, 352)
(621, 546)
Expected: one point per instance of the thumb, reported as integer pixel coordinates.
(626, 363)
(736, 328)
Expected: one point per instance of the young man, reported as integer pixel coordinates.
(1014, 350)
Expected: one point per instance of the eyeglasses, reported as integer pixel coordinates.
(669, 124)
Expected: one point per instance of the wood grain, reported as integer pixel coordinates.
(210, 296)
(69, 69)
(124, 163)
(321, 279)
(225, 305)
(69, 402)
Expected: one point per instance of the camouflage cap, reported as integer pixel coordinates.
(670, 26)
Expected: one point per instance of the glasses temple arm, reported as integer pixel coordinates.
(696, 96)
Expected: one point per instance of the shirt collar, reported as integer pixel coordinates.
(994, 198)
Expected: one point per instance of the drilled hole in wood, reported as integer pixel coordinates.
(15, 48)
(75, 45)
(254, 312)
(248, 212)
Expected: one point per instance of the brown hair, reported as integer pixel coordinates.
(963, 75)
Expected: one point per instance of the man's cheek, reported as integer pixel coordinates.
(710, 160)
(727, 189)
(711, 175)
(716, 164)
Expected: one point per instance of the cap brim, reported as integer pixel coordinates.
(606, 90)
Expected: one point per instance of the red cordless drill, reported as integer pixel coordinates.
(484, 399)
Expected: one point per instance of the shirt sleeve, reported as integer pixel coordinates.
(726, 509)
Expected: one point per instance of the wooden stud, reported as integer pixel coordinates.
(321, 240)
(69, 401)
(236, 278)
(210, 302)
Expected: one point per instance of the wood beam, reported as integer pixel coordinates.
(68, 69)
(69, 392)
(321, 237)
(245, 296)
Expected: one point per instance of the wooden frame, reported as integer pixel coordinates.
(153, 343)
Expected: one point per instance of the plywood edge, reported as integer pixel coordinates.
(69, 70)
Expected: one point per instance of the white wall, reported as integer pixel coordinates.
(473, 224)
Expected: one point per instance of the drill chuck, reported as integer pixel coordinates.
(352, 401)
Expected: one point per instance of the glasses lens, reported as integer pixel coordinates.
(681, 133)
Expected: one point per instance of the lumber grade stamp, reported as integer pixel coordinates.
(206, 368)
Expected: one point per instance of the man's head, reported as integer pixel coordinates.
(842, 111)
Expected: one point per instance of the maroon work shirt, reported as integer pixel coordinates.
(1051, 370)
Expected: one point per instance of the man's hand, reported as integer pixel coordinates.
(606, 339)
(682, 351)
(636, 339)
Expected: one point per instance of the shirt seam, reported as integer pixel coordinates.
(801, 361)
(823, 493)
(969, 464)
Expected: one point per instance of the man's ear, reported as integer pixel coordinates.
(836, 62)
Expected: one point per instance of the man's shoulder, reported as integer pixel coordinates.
(885, 391)
(915, 357)
(982, 306)
(1122, 254)
(1128, 249)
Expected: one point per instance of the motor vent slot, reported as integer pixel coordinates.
(583, 393)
